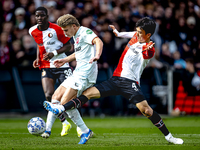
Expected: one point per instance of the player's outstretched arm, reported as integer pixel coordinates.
(99, 47)
(60, 62)
(121, 34)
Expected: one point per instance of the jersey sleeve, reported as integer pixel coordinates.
(147, 54)
(124, 34)
(89, 35)
(30, 31)
(61, 36)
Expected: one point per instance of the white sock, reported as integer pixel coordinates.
(58, 102)
(168, 136)
(54, 101)
(75, 116)
(50, 120)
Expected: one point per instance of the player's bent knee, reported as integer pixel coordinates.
(56, 96)
(144, 108)
(58, 93)
(148, 112)
(92, 93)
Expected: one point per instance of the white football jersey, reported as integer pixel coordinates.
(84, 51)
(133, 59)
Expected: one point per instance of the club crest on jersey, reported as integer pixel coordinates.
(77, 40)
(50, 35)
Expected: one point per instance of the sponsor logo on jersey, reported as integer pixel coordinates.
(50, 43)
(134, 51)
(89, 31)
(139, 46)
(77, 49)
(50, 35)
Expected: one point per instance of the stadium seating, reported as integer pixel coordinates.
(180, 97)
(188, 104)
(196, 109)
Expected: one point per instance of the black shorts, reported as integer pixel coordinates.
(121, 86)
(56, 73)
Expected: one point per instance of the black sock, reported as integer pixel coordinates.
(79, 109)
(61, 117)
(157, 121)
(76, 102)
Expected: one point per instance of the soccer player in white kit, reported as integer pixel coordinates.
(52, 43)
(88, 48)
(125, 79)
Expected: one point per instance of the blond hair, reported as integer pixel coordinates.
(66, 20)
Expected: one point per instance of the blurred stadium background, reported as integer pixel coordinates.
(171, 81)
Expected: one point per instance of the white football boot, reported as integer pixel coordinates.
(56, 109)
(173, 140)
(46, 134)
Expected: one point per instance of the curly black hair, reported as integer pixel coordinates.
(42, 9)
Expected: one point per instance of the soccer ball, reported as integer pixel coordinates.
(36, 126)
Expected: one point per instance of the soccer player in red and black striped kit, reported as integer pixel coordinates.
(126, 77)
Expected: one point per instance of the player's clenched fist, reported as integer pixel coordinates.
(36, 63)
(113, 28)
(149, 46)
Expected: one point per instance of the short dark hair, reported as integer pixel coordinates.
(147, 24)
(42, 9)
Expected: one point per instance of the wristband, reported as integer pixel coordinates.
(115, 31)
(55, 52)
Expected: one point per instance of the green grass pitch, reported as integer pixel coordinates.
(111, 133)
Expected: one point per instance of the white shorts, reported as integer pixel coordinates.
(77, 83)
